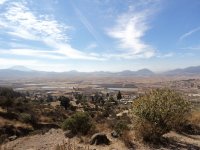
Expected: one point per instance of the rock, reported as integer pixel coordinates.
(99, 138)
(11, 138)
(51, 131)
(69, 134)
(114, 134)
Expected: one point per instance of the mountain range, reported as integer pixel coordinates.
(24, 72)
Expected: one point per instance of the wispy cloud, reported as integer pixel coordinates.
(8, 62)
(125, 55)
(21, 22)
(20, 19)
(69, 51)
(33, 53)
(129, 30)
(2, 1)
(196, 48)
(93, 32)
(185, 35)
(86, 23)
(167, 55)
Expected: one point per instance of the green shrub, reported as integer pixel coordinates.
(8, 92)
(158, 112)
(27, 118)
(6, 102)
(121, 126)
(64, 101)
(78, 123)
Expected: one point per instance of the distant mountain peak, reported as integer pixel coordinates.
(183, 71)
(145, 70)
(20, 68)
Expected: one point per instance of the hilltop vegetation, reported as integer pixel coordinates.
(149, 118)
(158, 112)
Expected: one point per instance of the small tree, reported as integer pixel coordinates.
(8, 92)
(119, 96)
(78, 123)
(6, 102)
(64, 101)
(158, 112)
(112, 100)
(121, 126)
(49, 98)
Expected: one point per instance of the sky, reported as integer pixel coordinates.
(99, 35)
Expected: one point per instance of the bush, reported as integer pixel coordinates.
(121, 126)
(127, 138)
(64, 101)
(192, 126)
(27, 118)
(5, 102)
(78, 123)
(8, 92)
(158, 112)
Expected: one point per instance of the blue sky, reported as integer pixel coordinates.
(99, 35)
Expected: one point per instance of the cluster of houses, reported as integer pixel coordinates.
(88, 92)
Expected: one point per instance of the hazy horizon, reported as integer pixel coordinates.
(94, 35)
(24, 68)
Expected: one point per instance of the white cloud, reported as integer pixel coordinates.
(129, 30)
(86, 23)
(21, 22)
(147, 54)
(185, 35)
(20, 18)
(33, 53)
(170, 54)
(8, 62)
(2, 1)
(22, 34)
(67, 50)
(34, 64)
(196, 48)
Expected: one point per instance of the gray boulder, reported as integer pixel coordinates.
(114, 134)
(12, 138)
(99, 138)
(69, 134)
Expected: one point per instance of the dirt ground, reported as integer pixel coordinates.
(55, 137)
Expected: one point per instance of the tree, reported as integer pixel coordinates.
(158, 112)
(5, 102)
(49, 98)
(112, 100)
(107, 95)
(64, 101)
(80, 122)
(8, 92)
(119, 96)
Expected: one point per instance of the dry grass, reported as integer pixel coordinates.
(195, 118)
(127, 138)
(45, 119)
(15, 123)
(4, 122)
(2, 110)
(103, 127)
(55, 104)
(70, 145)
